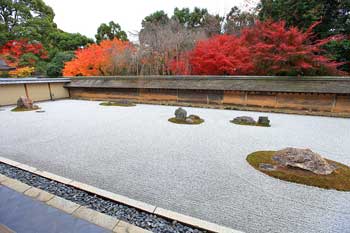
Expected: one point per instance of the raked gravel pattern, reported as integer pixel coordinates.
(199, 170)
(131, 215)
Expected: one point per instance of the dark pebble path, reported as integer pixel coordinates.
(128, 214)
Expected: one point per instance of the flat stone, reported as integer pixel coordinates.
(32, 192)
(86, 187)
(16, 185)
(64, 205)
(97, 218)
(267, 167)
(26, 167)
(53, 177)
(39, 194)
(8, 161)
(124, 227)
(194, 221)
(3, 178)
(44, 196)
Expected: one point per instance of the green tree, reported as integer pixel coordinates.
(31, 19)
(333, 14)
(236, 20)
(199, 18)
(64, 41)
(55, 67)
(110, 31)
(193, 19)
(158, 17)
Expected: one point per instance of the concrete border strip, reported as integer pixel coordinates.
(102, 220)
(191, 221)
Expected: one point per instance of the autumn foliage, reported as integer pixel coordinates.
(221, 55)
(107, 58)
(268, 48)
(23, 55)
(278, 50)
(22, 72)
(18, 52)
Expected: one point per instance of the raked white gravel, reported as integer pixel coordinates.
(199, 171)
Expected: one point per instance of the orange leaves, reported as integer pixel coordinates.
(95, 60)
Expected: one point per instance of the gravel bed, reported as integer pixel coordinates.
(199, 170)
(131, 215)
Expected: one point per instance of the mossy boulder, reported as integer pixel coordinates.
(25, 104)
(264, 162)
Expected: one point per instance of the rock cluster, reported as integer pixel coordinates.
(246, 120)
(304, 159)
(26, 103)
(182, 118)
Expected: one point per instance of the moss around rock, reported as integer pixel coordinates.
(18, 109)
(191, 120)
(338, 180)
(118, 103)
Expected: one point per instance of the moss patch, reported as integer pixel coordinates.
(117, 104)
(196, 121)
(338, 180)
(17, 109)
(248, 124)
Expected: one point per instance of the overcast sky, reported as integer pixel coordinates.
(85, 16)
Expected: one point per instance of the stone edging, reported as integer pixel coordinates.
(93, 216)
(105, 221)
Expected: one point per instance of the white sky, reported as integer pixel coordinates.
(85, 16)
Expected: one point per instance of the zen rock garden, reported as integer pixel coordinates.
(246, 120)
(119, 103)
(25, 104)
(302, 166)
(182, 118)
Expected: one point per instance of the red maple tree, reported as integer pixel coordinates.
(221, 55)
(268, 48)
(15, 52)
(278, 50)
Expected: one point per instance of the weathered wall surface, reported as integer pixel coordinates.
(314, 95)
(317, 95)
(37, 89)
(9, 93)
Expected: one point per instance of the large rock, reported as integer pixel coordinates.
(244, 120)
(180, 114)
(25, 102)
(304, 159)
(264, 121)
